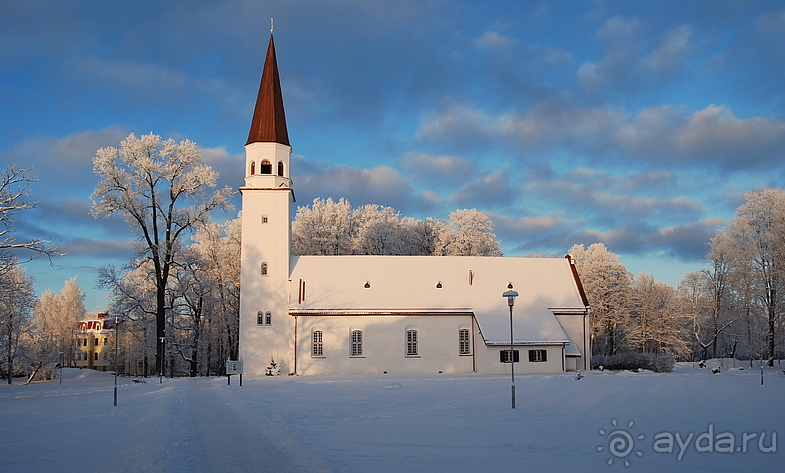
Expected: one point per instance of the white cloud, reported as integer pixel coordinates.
(491, 39)
(378, 185)
(437, 168)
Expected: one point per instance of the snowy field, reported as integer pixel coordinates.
(440, 423)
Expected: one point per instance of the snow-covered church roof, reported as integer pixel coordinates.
(349, 285)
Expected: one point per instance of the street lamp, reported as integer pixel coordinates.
(511, 295)
(161, 340)
(62, 360)
(116, 328)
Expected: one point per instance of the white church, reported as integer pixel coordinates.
(388, 314)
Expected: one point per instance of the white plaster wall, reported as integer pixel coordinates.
(384, 345)
(576, 328)
(266, 242)
(488, 360)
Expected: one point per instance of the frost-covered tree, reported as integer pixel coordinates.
(17, 297)
(422, 235)
(325, 227)
(192, 292)
(163, 190)
(468, 233)
(757, 236)
(694, 301)
(14, 198)
(655, 325)
(58, 314)
(718, 279)
(38, 350)
(607, 284)
(218, 246)
(202, 302)
(132, 294)
(379, 231)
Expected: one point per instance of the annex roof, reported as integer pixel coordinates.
(336, 285)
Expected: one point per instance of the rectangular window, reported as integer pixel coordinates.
(504, 356)
(265, 219)
(357, 342)
(464, 347)
(317, 343)
(536, 356)
(411, 343)
(96, 356)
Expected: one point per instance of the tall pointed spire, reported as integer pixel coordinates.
(269, 121)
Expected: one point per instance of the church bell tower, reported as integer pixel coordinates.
(267, 197)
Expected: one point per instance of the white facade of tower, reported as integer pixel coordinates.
(267, 199)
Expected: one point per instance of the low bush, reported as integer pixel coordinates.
(634, 361)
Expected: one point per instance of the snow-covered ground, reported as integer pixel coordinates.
(439, 423)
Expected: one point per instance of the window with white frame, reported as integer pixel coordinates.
(537, 356)
(357, 343)
(317, 349)
(260, 318)
(411, 343)
(464, 345)
(268, 318)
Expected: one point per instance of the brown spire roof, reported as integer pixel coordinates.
(269, 121)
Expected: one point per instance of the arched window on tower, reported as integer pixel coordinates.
(253, 167)
(266, 167)
(280, 168)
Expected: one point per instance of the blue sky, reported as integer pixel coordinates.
(636, 124)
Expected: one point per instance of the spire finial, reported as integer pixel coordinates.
(271, 26)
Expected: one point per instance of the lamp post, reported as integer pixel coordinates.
(116, 328)
(62, 360)
(511, 295)
(161, 340)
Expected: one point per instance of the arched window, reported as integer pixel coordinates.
(280, 168)
(264, 269)
(268, 318)
(260, 318)
(411, 343)
(357, 343)
(266, 168)
(317, 348)
(253, 167)
(464, 346)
